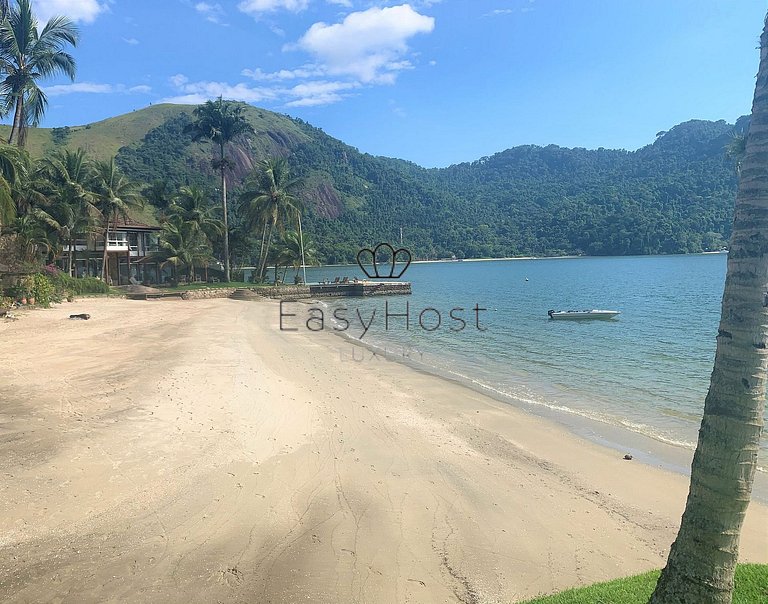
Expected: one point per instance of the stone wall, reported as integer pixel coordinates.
(300, 292)
(207, 293)
(282, 292)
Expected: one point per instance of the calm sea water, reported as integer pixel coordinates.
(648, 370)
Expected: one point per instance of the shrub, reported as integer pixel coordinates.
(43, 291)
(26, 286)
(78, 286)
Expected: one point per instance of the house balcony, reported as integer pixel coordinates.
(78, 247)
(113, 245)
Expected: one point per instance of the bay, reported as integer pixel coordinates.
(646, 371)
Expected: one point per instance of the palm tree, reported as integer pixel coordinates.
(68, 184)
(298, 250)
(703, 557)
(191, 205)
(268, 202)
(220, 122)
(12, 170)
(116, 196)
(27, 56)
(182, 244)
(32, 240)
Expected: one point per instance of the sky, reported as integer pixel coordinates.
(436, 82)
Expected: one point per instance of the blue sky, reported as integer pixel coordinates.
(433, 81)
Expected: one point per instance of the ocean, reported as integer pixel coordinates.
(646, 371)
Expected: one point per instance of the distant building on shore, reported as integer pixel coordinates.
(131, 248)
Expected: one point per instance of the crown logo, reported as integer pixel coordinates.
(367, 258)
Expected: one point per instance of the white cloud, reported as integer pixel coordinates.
(193, 92)
(256, 7)
(77, 10)
(93, 88)
(304, 94)
(212, 12)
(179, 80)
(366, 48)
(84, 87)
(131, 41)
(186, 99)
(368, 45)
(319, 93)
(345, 3)
(308, 71)
(510, 11)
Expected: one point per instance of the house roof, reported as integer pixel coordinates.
(143, 219)
(130, 224)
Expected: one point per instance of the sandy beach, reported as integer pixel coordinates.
(190, 451)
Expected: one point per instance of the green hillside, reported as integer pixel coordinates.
(673, 196)
(101, 139)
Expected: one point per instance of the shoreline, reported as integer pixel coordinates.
(189, 451)
(654, 451)
(566, 257)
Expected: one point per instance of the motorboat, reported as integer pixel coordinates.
(583, 314)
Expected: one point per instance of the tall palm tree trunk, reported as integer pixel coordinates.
(263, 269)
(105, 257)
(227, 274)
(17, 118)
(261, 249)
(303, 262)
(704, 555)
(70, 260)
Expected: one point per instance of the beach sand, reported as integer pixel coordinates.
(190, 451)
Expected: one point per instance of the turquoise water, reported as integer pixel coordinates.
(647, 371)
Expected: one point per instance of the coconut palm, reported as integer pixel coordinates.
(703, 557)
(32, 239)
(191, 205)
(13, 169)
(27, 56)
(298, 250)
(269, 204)
(116, 196)
(183, 245)
(220, 122)
(68, 183)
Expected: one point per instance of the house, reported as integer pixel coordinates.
(131, 246)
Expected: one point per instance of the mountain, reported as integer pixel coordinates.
(673, 196)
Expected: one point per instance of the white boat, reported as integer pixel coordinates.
(583, 314)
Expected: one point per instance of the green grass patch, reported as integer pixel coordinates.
(751, 588)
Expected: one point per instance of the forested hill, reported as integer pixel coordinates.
(673, 196)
